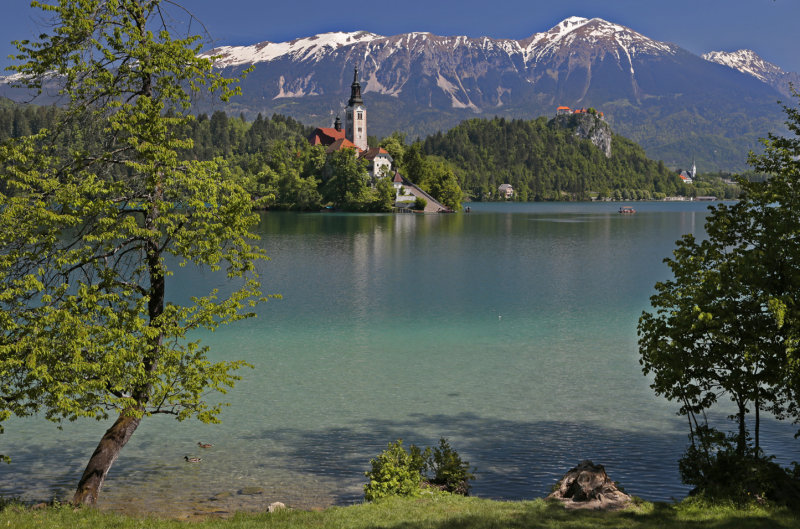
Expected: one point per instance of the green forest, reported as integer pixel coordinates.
(543, 160)
(540, 158)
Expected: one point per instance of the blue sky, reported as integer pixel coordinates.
(769, 27)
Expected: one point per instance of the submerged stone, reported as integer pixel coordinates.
(251, 491)
(221, 496)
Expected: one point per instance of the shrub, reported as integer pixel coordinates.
(721, 473)
(397, 472)
(420, 203)
(449, 471)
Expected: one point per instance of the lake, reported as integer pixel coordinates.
(510, 330)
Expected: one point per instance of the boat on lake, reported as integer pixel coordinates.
(627, 210)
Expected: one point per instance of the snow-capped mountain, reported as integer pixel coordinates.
(749, 62)
(314, 48)
(598, 34)
(457, 67)
(673, 102)
(746, 61)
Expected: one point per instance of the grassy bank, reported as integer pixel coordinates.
(440, 512)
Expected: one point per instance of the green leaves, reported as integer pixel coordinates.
(91, 230)
(726, 325)
(397, 472)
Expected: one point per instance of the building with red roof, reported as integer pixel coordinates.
(341, 143)
(327, 135)
(380, 161)
(565, 110)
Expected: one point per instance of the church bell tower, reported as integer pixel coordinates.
(356, 116)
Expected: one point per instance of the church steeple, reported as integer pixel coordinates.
(355, 128)
(355, 90)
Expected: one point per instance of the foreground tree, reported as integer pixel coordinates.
(92, 234)
(727, 325)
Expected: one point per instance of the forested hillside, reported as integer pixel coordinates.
(545, 161)
(541, 159)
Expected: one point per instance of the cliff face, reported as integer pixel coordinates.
(589, 127)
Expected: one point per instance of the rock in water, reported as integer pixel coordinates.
(251, 491)
(587, 486)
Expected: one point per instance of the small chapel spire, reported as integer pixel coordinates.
(337, 124)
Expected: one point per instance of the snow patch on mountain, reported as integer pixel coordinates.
(453, 91)
(315, 47)
(373, 84)
(746, 61)
(565, 34)
(592, 32)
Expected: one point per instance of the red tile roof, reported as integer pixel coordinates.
(373, 152)
(325, 136)
(341, 143)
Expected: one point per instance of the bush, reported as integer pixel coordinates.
(720, 473)
(396, 472)
(420, 203)
(449, 471)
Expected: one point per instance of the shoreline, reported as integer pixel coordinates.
(435, 511)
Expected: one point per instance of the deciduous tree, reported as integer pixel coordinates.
(727, 325)
(93, 233)
(346, 179)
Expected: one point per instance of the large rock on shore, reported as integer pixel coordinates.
(587, 486)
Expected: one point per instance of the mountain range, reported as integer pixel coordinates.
(679, 106)
(676, 104)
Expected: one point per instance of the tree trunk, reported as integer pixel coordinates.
(103, 457)
(741, 444)
(758, 426)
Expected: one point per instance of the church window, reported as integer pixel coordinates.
(360, 115)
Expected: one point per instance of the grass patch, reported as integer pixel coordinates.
(432, 512)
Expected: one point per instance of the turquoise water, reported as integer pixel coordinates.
(510, 330)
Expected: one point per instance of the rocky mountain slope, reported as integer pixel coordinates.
(747, 61)
(677, 105)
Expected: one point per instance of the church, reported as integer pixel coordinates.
(354, 134)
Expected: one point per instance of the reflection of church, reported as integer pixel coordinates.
(354, 134)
